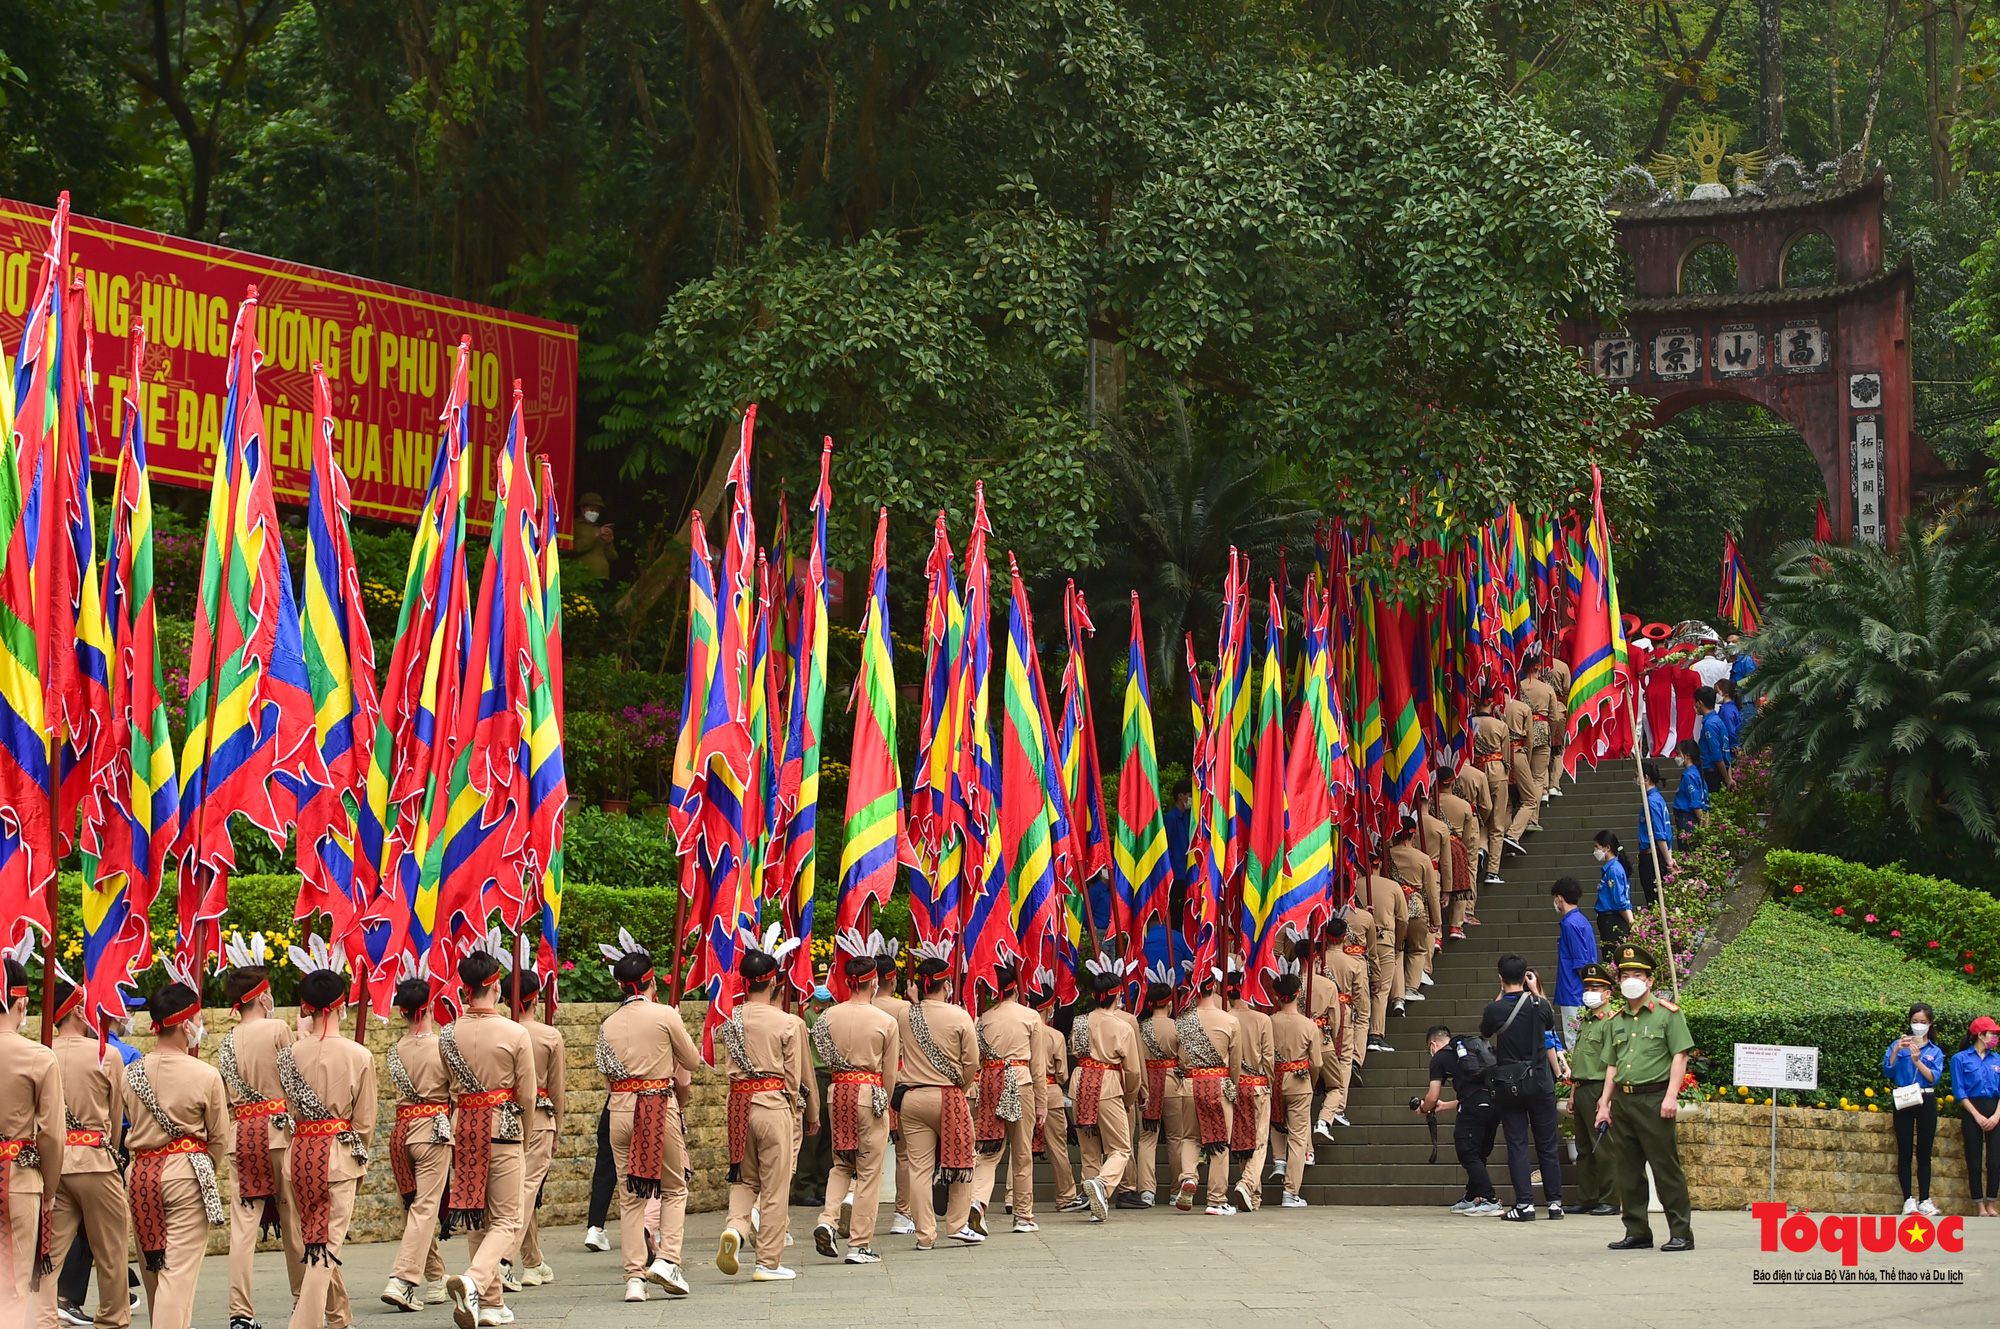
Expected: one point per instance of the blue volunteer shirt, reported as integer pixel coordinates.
(1742, 667)
(1661, 824)
(1692, 796)
(1975, 1074)
(1177, 842)
(1901, 1068)
(1614, 889)
(1732, 724)
(1714, 740)
(1576, 946)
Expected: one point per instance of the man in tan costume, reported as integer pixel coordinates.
(551, 1059)
(1052, 1051)
(764, 1049)
(1299, 1057)
(1413, 870)
(329, 1084)
(1165, 1115)
(1460, 814)
(1211, 1061)
(940, 1052)
(1011, 1101)
(31, 1143)
(886, 1001)
(1340, 1012)
(1110, 1081)
(860, 1044)
(492, 1069)
(1250, 1118)
(419, 1146)
(1541, 699)
(1489, 754)
(248, 1060)
(91, 1195)
(647, 1060)
(1519, 716)
(1382, 901)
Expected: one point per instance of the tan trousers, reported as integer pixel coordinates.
(1416, 948)
(95, 1202)
(1020, 1159)
(1107, 1151)
(765, 1181)
(1055, 1140)
(1528, 797)
(863, 1176)
(1177, 1123)
(1543, 762)
(24, 1212)
(1190, 1160)
(673, 1192)
(1336, 1080)
(170, 1289)
(1496, 811)
(1385, 981)
(418, 1259)
(1143, 1175)
(485, 1246)
(1252, 1172)
(243, 1237)
(541, 1151)
(1298, 1138)
(923, 1120)
(323, 1296)
(902, 1169)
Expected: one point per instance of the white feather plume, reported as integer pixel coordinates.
(935, 950)
(22, 952)
(627, 945)
(242, 954)
(851, 942)
(1160, 973)
(318, 955)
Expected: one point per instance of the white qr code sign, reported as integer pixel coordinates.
(1775, 1066)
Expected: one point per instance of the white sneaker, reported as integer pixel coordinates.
(1324, 1130)
(847, 1214)
(403, 1296)
(862, 1255)
(1292, 1201)
(1221, 1210)
(1026, 1225)
(725, 1251)
(1415, 996)
(595, 1240)
(543, 1272)
(1425, 981)
(1277, 1169)
(668, 1275)
(1147, 1196)
(825, 1241)
(635, 1289)
(779, 1275)
(1909, 1204)
(901, 1226)
(495, 1315)
(756, 1222)
(510, 1277)
(464, 1301)
(434, 1293)
(1927, 1209)
(531, 1276)
(1100, 1203)
(968, 1236)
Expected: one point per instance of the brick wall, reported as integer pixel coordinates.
(1829, 1162)
(378, 1212)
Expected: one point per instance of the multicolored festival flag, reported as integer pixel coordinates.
(798, 775)
(250, 707)
(1267, 888)
(1739, 605)
(936, 824)
(1076, 748)
(1600, 678)
(1028, 833)
(554, 874)
(1141, 875)
(876, 839)
(1310, 787)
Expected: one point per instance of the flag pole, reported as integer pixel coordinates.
(680, 913)
(1653, 840)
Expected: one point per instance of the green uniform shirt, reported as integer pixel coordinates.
(1586, 1060)
(1642, 1045)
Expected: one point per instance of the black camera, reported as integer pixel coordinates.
(1416, 1102)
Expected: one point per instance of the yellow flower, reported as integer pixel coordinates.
(1869, 1092)
(1873, 1108)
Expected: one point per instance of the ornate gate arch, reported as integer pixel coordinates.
(1832, 361)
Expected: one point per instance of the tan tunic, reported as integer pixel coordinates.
(867, 1038)
(425, 1066)
(1009, 1030)
(1256, 1052)
(498, 1053)
(257, 1045)
(1114, 1037)
(1415, 871)
(1168, 1039)
(1296, 1038)
(1052, 1049)
(88, 1086)
(1519, 716)
(342, 1073)
(650, 1042)
(1489, 739)
(951, 1029)
(190, 1092)
(1477, 796)
(1460, 816)
(775, 1042)
(32, 1110)
(551, 1059)
(1225, 1031)
(1541, 699)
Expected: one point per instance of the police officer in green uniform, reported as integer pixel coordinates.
(1647, 1045)
(1592, 1178)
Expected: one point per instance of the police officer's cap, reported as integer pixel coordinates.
(1596, 973)
(1636, 957)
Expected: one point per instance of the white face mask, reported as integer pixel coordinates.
(1602, 854)
(1920, 1029)
(591, 515)
(1593, 998)
(1633, 988)
(195, 1031)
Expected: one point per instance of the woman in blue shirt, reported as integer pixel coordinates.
(1975, 1078)
(1916, 1059)
(1614, 889)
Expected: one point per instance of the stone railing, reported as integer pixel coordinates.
(1828, 1162)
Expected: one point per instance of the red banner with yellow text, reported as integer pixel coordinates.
(387, 350)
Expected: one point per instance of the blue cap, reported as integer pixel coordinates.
(822, 993)
(133, 1001)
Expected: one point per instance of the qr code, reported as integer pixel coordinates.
(1801, 1066)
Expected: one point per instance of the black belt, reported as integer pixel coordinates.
(1657, 1086)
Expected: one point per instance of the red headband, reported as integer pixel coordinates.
(69, 1003)
(181, 1016)
(638, 982)
(253, 994)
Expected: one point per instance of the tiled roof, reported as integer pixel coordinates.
(1640, 214)
(1796, 295)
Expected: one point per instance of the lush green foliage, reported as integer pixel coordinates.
(1791, 978)
(1879, 666)
(1939, 922)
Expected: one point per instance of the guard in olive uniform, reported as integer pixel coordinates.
(1646, 1051)
(1591, 1178)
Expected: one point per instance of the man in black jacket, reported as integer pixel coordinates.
(1476, 1122)
(1521, 1027)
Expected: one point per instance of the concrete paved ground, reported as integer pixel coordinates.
(1379, 1268)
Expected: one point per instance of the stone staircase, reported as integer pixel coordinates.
(1380, 1159)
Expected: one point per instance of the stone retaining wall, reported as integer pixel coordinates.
(1828, 1162)
(378, 1212)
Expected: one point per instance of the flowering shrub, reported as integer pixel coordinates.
(1935, 922)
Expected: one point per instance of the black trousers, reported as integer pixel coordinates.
(73, 1283)
(1647, 888)
(604, 1177)
(1472, 1139)
(1611, 927)
(1532, 1130)
(815, 1163)
(1916, 1132)
(1978, 1143)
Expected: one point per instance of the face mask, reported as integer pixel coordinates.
(1633, 988)
(1920, 1029)
(591, 515)
(194, 1035)
(1602, 854)
(1593, 998)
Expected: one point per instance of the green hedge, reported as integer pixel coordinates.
(1792, 978)
(1939, 922)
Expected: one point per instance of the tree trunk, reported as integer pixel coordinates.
(1675, 92)
(1771, 59)
(1833, 78)
(1875, 83)
(1933, 119)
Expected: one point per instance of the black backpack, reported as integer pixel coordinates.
(1517, 1081)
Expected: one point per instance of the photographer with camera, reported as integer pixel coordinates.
(1464, 1062)
(1521, 1026)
